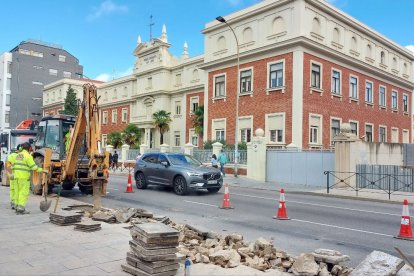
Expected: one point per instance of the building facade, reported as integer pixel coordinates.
(5, 90)
(160, 81)
(305, 68)
(33, 64)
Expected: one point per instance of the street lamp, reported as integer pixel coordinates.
(236, 150)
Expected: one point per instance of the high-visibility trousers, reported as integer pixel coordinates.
(12, 191)
(22, 192)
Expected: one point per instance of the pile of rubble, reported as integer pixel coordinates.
(231, 251)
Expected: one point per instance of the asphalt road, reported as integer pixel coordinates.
(353, 227)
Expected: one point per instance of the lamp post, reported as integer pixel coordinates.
(236, 136)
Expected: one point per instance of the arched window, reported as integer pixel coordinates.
(125, 91)
(247, 35)
(382, 57)
(336, 35)
(106, 96)
(195, 74)
(353, 43)
(115, 94)
(278, 25)
(394, 63)
(221, 43)
(405, 68)
(316, 25)
(369, 51)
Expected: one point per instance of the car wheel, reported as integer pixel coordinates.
(140, 181)
(213, 190)
(180, 185)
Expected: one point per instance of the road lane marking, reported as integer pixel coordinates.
(112, 189)
(200, 203)
(345, 228)
(321, 205)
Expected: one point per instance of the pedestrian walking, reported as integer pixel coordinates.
(214, 162)
(111, 160)
(115, 160)
(22, 167)
(222, 159)
(9, 174)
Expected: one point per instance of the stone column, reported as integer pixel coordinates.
(256, 154)
(147, 136)
(164, 148)
(109, 148)
(345, 146)
(188, 148)
(143, 148)
(124, 155)
(217, 146)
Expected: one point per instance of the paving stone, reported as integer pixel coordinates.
(152, 230)
(111, 267)
(138, 272)
(152, 251)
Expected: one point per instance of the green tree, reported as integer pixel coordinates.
(131, 136)
(197, 118)
(162, 120)
(115, 139)
(71, 103)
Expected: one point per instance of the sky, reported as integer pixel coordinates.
(102, 34)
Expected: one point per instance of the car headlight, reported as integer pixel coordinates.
(194, 174)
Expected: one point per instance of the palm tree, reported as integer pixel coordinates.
(114, 139)
(198, 120)
(162, 120)
(131, 136)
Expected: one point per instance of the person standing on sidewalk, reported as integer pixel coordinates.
(22, 167)
(10, 175)
(115, 160)
(222, 160)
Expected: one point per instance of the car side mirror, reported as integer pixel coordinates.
(165, 163)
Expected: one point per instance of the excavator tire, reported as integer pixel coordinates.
(36, 183)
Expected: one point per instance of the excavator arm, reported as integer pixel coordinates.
(87, 125)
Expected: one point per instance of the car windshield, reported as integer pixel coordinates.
(179, 159)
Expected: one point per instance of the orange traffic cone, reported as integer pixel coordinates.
(406, 233)
(281, 212)
(129, 185)
(226, 199)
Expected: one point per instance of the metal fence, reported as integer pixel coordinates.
(132, 154)
(400, 178)
(203, 155)
(408, 154)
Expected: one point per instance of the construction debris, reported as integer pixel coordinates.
(153, 250)
(65, 218)
(378, 263)
(87, 226)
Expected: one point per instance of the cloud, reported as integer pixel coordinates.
(410, 48)
(116, 75)
(106, 7)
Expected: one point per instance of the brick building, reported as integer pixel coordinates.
(305, 68)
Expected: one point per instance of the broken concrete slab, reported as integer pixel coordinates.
(330, 256)
(378, 263)
(305, 265)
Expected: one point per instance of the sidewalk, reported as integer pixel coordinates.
(365, 194)
(31, 245)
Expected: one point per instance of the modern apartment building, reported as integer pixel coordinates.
(305, 68)
(25, 70)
